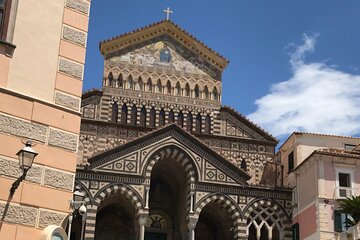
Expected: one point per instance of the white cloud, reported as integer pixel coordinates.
(317, 98)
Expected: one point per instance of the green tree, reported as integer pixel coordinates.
(351, 206)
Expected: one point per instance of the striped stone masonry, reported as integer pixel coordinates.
(74, 35)
(67, 100)
(79, 5)
(71, 68)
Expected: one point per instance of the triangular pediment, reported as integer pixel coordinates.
(179, 40)
(237, 125)
(133, 157)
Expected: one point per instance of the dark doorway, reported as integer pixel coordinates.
(155, 236)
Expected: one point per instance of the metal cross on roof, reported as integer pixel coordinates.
(168, 11)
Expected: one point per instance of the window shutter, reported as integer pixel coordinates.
(337, 221)
(296, 231)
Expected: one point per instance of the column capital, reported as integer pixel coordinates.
(192, 223)
(142, 219)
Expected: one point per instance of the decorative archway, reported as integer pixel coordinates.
(225, 202)
(265, 219)
(127, 192)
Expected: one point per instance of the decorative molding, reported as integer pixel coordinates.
(10, 168)
(71, 68)
(47, 218)
(19, 214)
(63, 139)
(58, 179)
(21, 128)
(67, 100)
(79, 5)
(74, 35)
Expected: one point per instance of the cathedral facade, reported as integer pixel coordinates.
(161, 158)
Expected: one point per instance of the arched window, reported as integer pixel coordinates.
(187, 90)
(130, 83)
(196, 91)
(207, 124)
(206, 93)
(152, 117)
(215, 94)
(177, 89)
(143, 117)
(158, 88)
(124, 113)
(198, 123)
(139, 85)
(161, 118)
(168, 88)
(114, 112)
(111, 79)
(243, 165)
(171, 117)
(149, 85)
(181, 119)
(120, 81)
(165, 54)
(189, 122)
(133, 120)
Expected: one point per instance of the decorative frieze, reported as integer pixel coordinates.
(71, 68)
(79, 5)
(50, 218)
(19, 214)
(10, 168)
(74, 35)
(58, 179)
(68, 101)
(21, 128)
(63, 139)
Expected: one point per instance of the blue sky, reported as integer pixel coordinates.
(294, 65)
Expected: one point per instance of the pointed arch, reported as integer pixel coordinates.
(243, 165)
(152, 117)
(198, 123)
(187, 90)
(177, 89)
(207, 124)
(189, 123)
(124, 114)
(139, 86)
(111, 80)
(196, 92)
(120, 81)
(130, 83)
(215, 94)
(206, 93)
(133, 119)
(181, 119)
(168, 88)
(114, 112)
(149, 85)
(143, 117)
(161, 118)
(171, 117)
(158, 87)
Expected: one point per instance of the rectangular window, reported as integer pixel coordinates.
(349, 146)
(296, 231)
(290, 161)
(344, 182)
(2, 11)
(340, 224)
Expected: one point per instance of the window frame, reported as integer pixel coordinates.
(4, 23)
(345, 170)
(292, 161)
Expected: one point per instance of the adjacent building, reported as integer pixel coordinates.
(42, 54)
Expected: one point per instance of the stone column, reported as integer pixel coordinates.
(142, 221)
(191, 225)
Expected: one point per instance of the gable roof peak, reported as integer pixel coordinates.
(160, 28)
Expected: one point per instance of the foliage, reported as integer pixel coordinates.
(351, 206)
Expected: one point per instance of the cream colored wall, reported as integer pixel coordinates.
(307, 187)
(34, 64)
